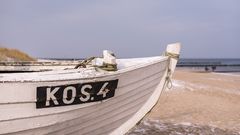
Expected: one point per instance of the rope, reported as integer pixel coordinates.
(84, 63)
(108, 67)
(105, 66)
(172, 55)
(169, 83)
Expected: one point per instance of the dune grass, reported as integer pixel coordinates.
(14, 55)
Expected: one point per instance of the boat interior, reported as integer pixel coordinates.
(71, 73)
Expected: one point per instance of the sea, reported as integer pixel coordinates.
(212, 65)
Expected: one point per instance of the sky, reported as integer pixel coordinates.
(130, 28)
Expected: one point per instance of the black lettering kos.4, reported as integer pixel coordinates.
(51, 94)
(72, 94)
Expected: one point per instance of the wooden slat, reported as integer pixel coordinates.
(135, 88)
(52, 118)
(90, 116)
(28, 110)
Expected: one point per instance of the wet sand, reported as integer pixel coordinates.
(198, 103)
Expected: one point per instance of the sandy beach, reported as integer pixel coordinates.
(198, 103)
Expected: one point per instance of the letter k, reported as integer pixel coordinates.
(50, 96)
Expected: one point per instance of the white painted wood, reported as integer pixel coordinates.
(141, 81)
(47, 120)
(40, 65)
(28, 109)
(173, 49)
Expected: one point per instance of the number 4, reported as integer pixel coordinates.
(103, 91)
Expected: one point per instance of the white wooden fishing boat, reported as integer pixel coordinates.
(85, 100)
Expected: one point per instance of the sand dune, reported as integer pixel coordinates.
(7, 54)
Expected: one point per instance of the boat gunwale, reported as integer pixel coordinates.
(93, 78)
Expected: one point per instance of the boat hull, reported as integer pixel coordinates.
(138, 90)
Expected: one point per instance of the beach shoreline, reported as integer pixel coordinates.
(200, 98)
